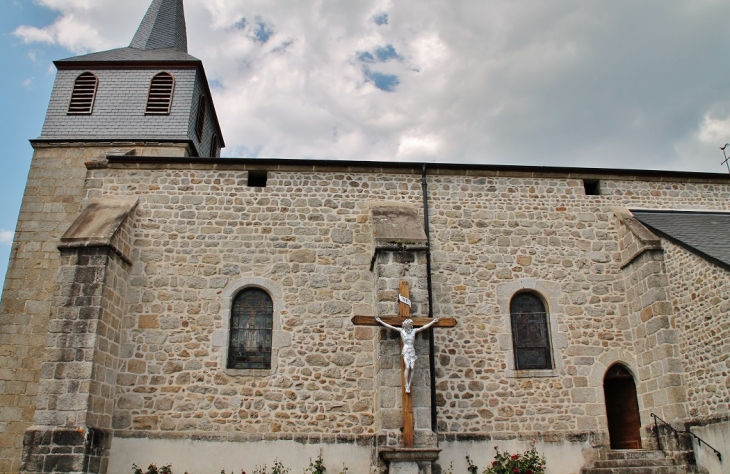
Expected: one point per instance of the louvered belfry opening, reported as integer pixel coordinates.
(82, 97)
(214, 146)
(159, 99)
(200, 120)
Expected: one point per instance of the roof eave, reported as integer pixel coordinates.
(474, 169)
(127, 64)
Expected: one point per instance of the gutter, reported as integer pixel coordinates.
(431, 344)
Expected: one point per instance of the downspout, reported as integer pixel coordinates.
(431, 345)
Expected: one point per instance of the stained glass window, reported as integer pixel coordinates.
(530, 332)
(252, 318)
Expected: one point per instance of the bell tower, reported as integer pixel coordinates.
(150, 98)
(151, 93)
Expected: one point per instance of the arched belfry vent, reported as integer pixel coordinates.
(214, 146)
(82, 97)
(200, 120)
(159, 99)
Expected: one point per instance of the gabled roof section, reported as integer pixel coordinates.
(703, 233)
(162, 27)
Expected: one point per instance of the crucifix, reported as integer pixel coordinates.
(410, 326)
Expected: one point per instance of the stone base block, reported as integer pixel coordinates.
(409, 460)
(65, 449)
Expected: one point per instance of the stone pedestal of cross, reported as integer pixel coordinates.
(404, 313)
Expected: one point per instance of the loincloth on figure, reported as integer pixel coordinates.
(409, 355)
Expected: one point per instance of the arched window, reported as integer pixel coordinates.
(252, 320)
(530, 336)
(214, 147)
(84, 92)
(159, 98)
(200, 120)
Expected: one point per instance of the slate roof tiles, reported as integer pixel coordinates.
(706, 234)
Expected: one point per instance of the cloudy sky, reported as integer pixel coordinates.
(604, 83)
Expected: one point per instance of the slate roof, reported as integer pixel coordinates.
(161, 37)
(162, 27)
(706, 234)
(134, 54)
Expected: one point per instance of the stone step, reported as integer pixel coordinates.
(634, 462)
(635, 470)
(631, 454)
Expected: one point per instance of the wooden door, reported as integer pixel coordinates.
(622, 408)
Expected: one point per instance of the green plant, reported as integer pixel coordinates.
(344, 469)
(153, 469)
(529, 462)
(278, 468)
(258, 470)
(470, 466)
(316, 467)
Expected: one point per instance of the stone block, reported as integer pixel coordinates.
(303, 256)
(583, 395)
(148, 321)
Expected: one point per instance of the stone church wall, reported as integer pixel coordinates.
(199, 230)
(309, 233)
(51, 202)
(199, 234)
(701, 298)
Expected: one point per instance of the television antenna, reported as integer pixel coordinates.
(726, 157)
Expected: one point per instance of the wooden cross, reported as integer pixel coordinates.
(404, 312)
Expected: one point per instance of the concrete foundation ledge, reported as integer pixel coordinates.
(301, 438)
(212, 456)
(544, 436)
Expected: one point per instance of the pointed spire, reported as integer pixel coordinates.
(162, 27)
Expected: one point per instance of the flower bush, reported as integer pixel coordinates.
(529, 462)
(315, 467)
(153, 469)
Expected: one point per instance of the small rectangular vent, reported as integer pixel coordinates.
(82, 97)
(159, 99)
(257, 179)
(592, 187)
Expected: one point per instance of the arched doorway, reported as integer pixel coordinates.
(622, 408)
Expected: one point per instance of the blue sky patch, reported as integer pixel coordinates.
(240, 24)
(381, 19)
(262, 31)
(384, 82)
(382, 54)
(366, 57)
(283, 46)
(386, 53)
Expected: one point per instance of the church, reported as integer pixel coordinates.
(166, 305)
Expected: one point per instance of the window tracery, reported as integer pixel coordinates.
(530, 334)
(252, 315)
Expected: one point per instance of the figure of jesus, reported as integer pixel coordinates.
(408, 336)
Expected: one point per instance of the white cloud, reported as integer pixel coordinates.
(28, 82)
(615, 84)
(713, 130)
(6, 236)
